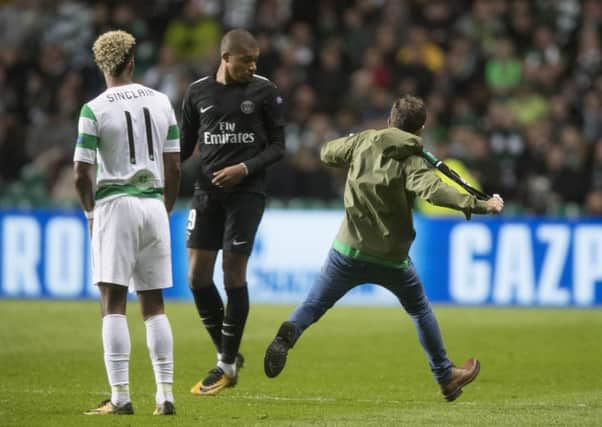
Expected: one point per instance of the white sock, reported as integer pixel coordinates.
(120, 394)
(159, 340)
(164, 393)
(116, 344)
(228, 368)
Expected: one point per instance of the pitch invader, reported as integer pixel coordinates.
(130, 132)
(236, 119)
(386, 172)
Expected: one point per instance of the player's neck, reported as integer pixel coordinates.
(118, 81)
(222, 75)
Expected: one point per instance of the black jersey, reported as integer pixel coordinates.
(234, 123)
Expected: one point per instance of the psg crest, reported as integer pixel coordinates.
(247, 107)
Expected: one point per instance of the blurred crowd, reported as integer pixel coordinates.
(513, 87)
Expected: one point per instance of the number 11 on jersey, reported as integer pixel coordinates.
(149, 135)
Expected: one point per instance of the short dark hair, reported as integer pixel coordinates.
(408, 114)
(237, 40)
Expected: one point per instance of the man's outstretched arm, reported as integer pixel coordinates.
(424, 182)
(339, 152)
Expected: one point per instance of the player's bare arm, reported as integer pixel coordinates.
(84, 189)
(173, 170)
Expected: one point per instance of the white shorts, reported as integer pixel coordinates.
(131, 244)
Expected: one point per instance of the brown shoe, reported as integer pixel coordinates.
(459, 378)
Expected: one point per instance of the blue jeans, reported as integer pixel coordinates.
(341, 273)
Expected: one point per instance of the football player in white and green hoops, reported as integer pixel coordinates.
(130, 133)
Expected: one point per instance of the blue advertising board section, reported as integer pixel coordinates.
(485, 261)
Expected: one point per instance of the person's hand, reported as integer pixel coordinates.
(229, 176)
(495, 204)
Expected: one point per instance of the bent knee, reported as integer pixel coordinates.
(234, 280)
(200, 269)
(199, 277)
(199, 281)
(235, 270)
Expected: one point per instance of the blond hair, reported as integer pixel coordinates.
(113, 50)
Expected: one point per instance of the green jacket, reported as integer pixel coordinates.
(385, 173)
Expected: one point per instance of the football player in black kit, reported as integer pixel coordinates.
(236, 117)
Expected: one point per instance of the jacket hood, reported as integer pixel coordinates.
(399, 145)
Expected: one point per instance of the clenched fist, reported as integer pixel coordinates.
(495, 204)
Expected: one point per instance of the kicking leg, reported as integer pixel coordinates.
(338, 276)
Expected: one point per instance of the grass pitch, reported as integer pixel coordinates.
(358, 366)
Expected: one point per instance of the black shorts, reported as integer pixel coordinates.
(224, 220)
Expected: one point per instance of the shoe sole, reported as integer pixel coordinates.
(275, 358)
(458, 391)
(276, 353)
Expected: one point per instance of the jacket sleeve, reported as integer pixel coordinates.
(339, 152)
(422, 180)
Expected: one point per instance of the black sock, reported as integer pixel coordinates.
(237, 311)
(210, 307)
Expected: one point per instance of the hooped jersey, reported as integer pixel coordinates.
(125, 131)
